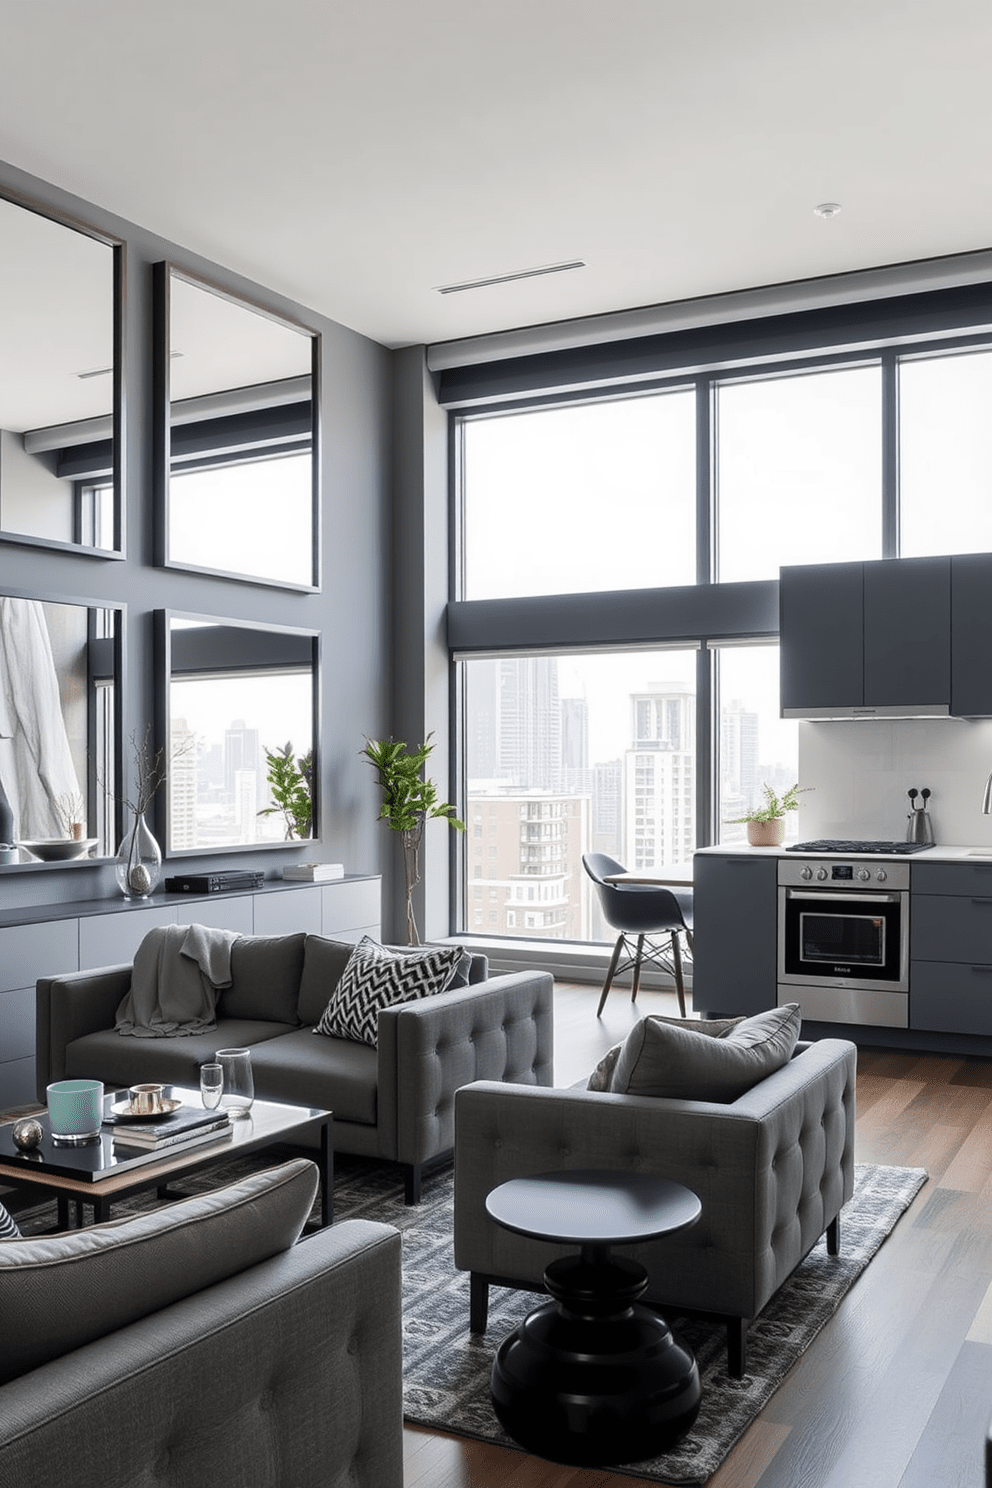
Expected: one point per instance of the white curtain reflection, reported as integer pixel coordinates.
(36, 765)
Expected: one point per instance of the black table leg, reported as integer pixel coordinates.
(327, 1172)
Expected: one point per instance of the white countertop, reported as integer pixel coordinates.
(939, 853)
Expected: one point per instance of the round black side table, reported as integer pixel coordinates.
(594, 1376)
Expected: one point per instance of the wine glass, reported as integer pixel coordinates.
(211, 1085)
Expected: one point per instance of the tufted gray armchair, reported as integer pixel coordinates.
(772, 1170)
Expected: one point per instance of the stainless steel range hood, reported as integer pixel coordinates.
(889, 710)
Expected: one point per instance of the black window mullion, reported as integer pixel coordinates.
(705, 482)
(890, 455)
(707, 738)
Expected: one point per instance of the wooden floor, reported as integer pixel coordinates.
(896, 1392)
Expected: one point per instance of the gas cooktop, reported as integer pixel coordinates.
(848, 848)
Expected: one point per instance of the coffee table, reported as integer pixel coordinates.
(101, 1172)
(594, 1376)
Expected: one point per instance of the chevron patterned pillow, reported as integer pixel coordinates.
(8, 1229)
(376, 978)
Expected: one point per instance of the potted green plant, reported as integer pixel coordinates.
(289, 779)
(766, 823)
(409, 800)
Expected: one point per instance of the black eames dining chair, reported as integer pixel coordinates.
(643, 914)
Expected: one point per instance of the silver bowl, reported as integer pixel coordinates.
(59, 849)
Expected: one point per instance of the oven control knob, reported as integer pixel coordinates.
(864, 874)
(821, 873)
(881, 875)
(806, 872)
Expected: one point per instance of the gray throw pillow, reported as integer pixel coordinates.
(8, 1228)
(602, 1076)
(265, 978)
(324, 961)
(664, 1059)
(377, 978)
(59, 1292)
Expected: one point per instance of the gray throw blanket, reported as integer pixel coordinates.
(177, 975)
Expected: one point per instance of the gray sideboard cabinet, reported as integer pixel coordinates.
(950, 948)
(734, 955)
(105, 932)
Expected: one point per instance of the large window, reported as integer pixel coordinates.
(798, 471)
(570, 754)
(552, 498)
(706, 486)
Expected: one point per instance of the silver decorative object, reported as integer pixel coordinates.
(27, 1133)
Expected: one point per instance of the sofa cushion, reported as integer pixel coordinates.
(324, 961)
(8, 1226)
(376, 978)
(265, 978)
(127, 1061)
(602, 1076)
(59, 1292)
(665, 1059)
(335, 1074)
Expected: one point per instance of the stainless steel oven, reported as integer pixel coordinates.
(843, 939)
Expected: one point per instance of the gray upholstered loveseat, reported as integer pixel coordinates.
(395, 1101)
(772, 1168)
(199, 1344)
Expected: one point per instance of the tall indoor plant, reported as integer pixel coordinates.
(290, 780)
(409, 800)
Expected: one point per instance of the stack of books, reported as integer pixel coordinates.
(183, 1128)
(313, 872)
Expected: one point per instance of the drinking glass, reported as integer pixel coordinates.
(211, 1085)
(239, 1087)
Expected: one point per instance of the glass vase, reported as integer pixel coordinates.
(139, 861)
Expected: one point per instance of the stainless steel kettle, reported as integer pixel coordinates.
(919, 823)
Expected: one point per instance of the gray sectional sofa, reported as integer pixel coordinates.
(394, 1102)
(204, 1343)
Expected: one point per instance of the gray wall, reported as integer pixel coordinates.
(354, 611)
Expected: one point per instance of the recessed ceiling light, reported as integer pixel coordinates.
(558, 268)
(827, 209)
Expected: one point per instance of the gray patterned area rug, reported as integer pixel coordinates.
(447, 1369)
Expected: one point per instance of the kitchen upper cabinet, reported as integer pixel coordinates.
(863, 638)
(971, 635)
(821, 627)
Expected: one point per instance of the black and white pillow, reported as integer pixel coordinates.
(8, 1229)
(376, 978)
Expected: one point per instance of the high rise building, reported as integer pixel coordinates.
(659, 786)
(576, 775)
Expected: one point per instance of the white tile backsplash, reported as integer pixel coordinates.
(861, 770)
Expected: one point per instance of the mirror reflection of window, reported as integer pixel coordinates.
(241, 439)
(58, 725)
(56, 378)
(235, 693)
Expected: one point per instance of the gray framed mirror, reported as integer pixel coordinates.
(61, 688)
(238, 464)
(61, 383)
(235, 694)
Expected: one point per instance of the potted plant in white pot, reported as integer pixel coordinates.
(766, 823)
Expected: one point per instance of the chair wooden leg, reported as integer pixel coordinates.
(677, 966)
(637, 968)
(610, 973)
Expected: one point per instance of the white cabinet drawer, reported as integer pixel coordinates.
(28, 952)
(112, 939)
(226, 914)
(17, 1021)
(349, 905)
(288, 911)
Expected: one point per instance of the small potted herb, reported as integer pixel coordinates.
(766, 823)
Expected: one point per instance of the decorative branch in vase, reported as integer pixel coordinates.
(139, 859)
(409, 800)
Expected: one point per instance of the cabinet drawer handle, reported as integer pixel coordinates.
(983, 970)
(981, 901)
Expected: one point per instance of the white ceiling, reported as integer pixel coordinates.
(356, 154)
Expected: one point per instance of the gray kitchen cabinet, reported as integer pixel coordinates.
(907, 612)
(865, 635)
(734, 935)
(821, 627)
(950, 937)
(971, 624)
